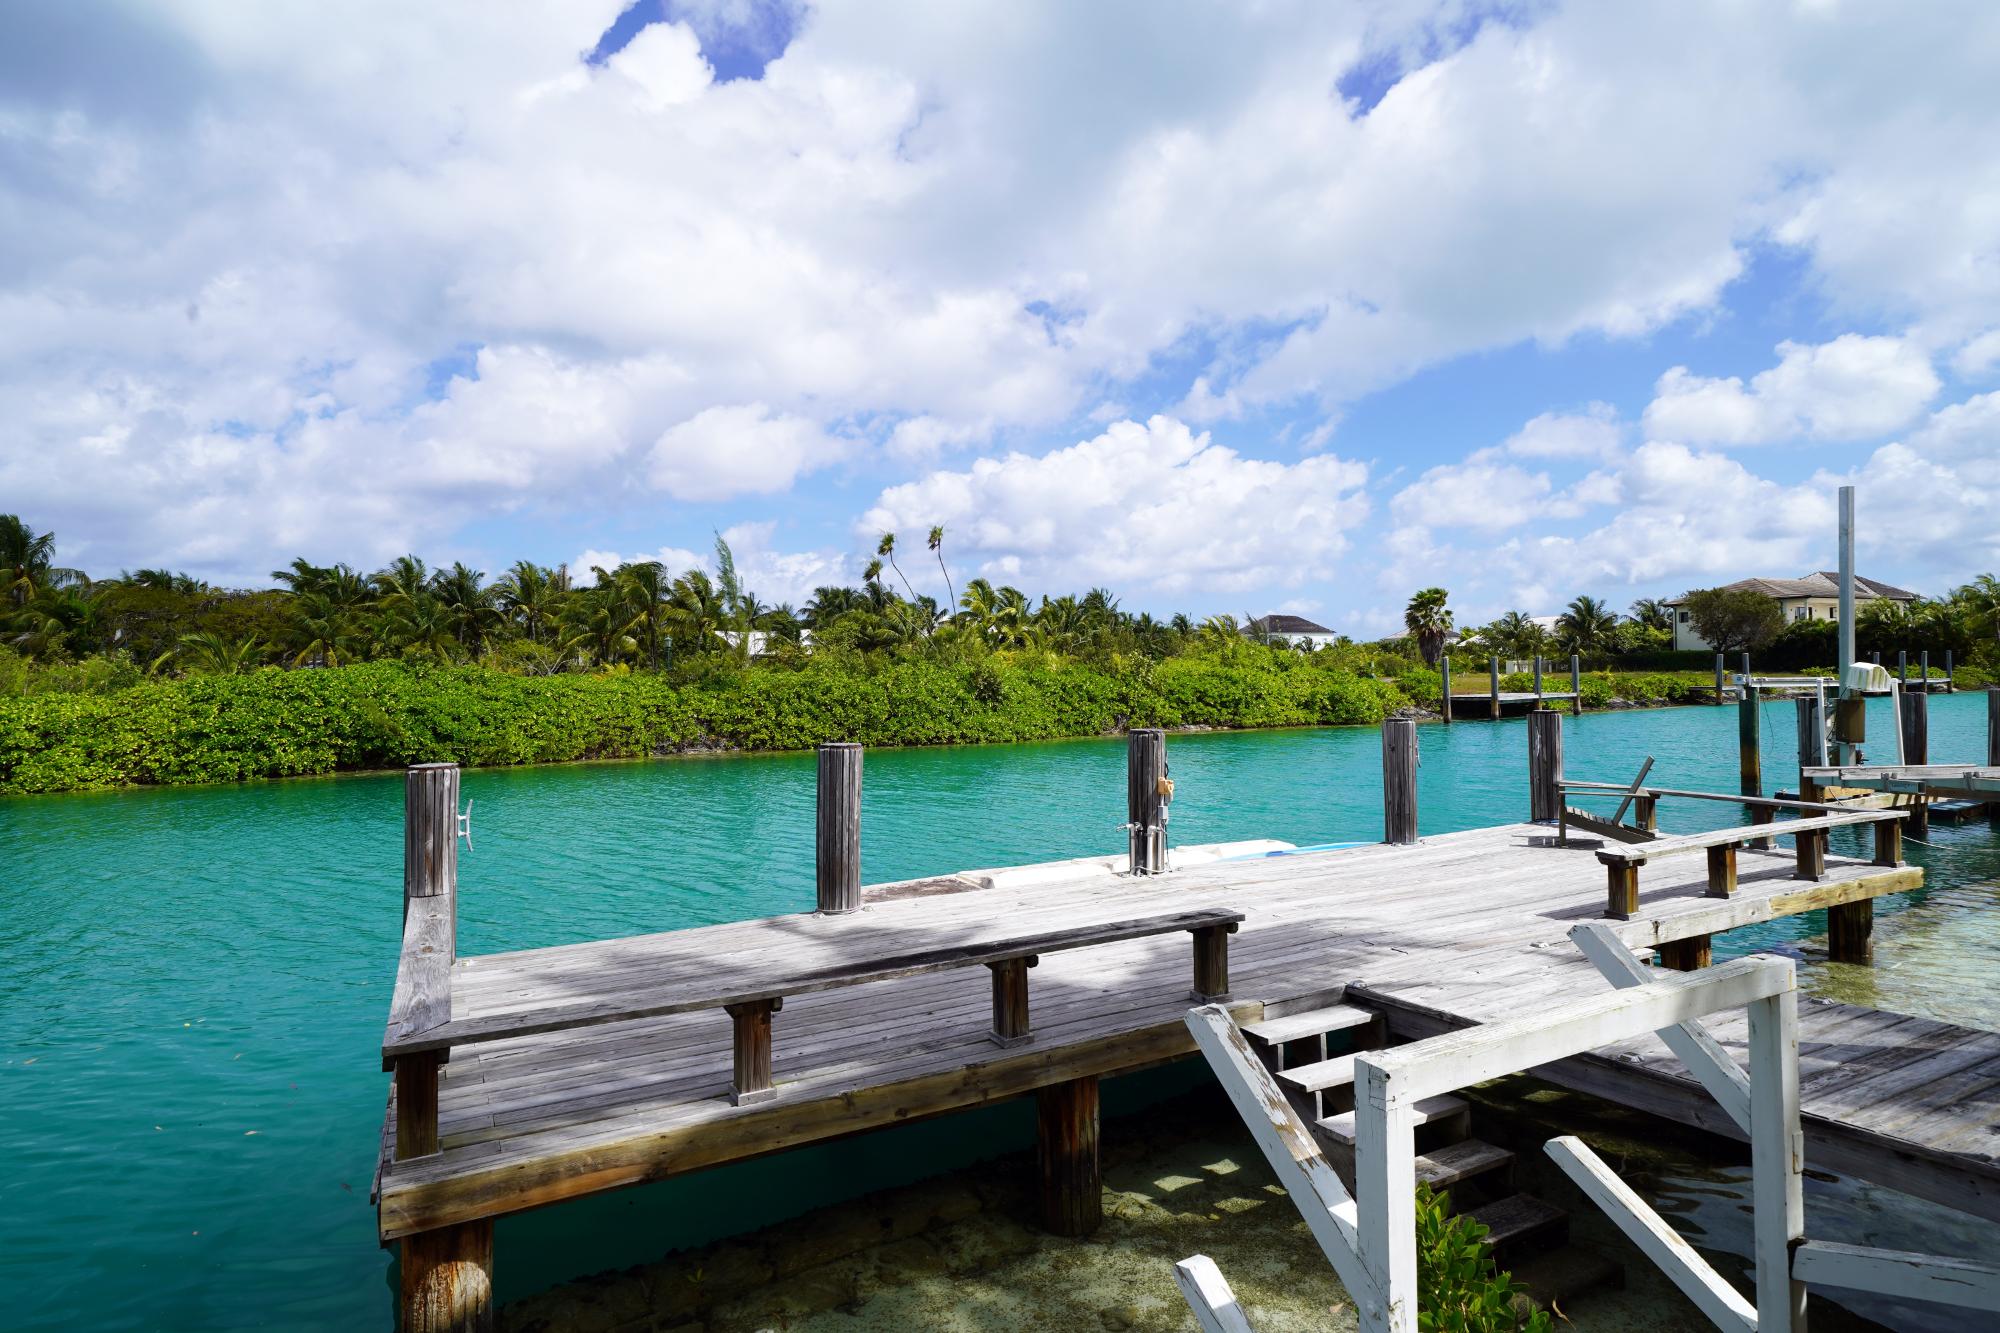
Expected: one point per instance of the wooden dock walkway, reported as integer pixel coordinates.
(1442, 933)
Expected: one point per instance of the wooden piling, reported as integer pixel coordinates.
(1688, 955)
(1914, 714)
(751, 1050)
(1576, 684)
(1811, 854)
(1444, 700)
(1545, 766)
(1850, 929)
(1066, 1162)
(1722, 871)
(1718, 679)
(1147, 791)
(1924, 668)
(1903, 665)
(1493, 669)
(1399, 781)
(838, 845)
(1812, 734)
(1010, 1001)
(1889, 843)
(1993, 741)
(1749, 744)
(1211, 964)
(1622, 890)
(1538, 680)
(430, 834)
(1950, 676)
(446, 1279)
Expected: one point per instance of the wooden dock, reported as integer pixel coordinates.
(1446, 932)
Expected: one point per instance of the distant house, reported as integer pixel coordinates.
(1812, 597)
(1299, 631)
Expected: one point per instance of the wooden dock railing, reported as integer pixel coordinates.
(750, 1003)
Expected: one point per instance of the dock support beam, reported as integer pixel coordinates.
(1493, 677)
(1688, 955)
(1718, 679)
(1576, 685)
(1812, 739)
(1850, 929)
(1993, 741)
(1444, 677)
(1545, 765)
(447, 1279)
(837, 848)
(1914, 712)
(1146, 795)
(1010, 1001)
(1399, 781)
(750, 1043)
(1066, 1164)
(1211, 964)
(1749, 744)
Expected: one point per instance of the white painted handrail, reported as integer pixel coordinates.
(1920, 1277)
(1209, 1296)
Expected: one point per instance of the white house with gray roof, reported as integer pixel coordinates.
(1809, 597)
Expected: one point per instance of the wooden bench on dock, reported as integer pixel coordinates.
(421, 1030)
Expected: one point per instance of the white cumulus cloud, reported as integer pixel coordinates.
(1848, 389)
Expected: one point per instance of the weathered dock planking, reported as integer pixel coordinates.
(880, 1016)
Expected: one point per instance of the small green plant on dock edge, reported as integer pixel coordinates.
(1459, 1288)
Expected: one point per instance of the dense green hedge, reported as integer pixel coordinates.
(274, 723)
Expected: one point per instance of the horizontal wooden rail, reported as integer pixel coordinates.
(751, 1006)
(1622, 861)
(1608, 789)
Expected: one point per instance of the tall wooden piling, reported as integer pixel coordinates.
(1924, 668)
(1493, 669)
(430, 834)
(1444, 698)
(1749, 744)
(837, 848)
(446, 1279)
(1718, 678)
(1993, 741)
(1576, 684)
(1399, 781)
(1914, 713)
(1950, 678)
(1066, 1161)
(1903, 665)
(1812, 738)
(1538, 680)
(1147, 792)
(1545, 766)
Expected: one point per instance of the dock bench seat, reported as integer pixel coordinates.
(1622, 861)
(750, 1001)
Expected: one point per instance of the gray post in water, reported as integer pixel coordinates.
(1903, 665)
(1925, 659)
(1146, 795)
(1576, 684)
(430, 835)
(1399, 780)
(838, 846)
(1718, 678)
(1545, 765)
(1993, 741)
(1746, 669)
(1916, 720)
(1846, 580)
(1812, 740)
(1950, 683)
(1444, 677)
(1538, 680)
(1494, 668)
(1749, 744)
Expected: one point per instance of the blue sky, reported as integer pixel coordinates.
(1299, 308)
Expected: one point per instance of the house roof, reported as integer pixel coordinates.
(1279, 624)
(1820, 584)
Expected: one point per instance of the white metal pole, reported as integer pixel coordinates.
(1844, 752)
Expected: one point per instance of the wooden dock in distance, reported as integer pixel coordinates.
(535, 1107)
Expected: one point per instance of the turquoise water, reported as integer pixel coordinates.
(196, 979)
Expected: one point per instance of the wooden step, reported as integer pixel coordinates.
(1441, 1168)
(1430, 1108)
(1522, 1219)
(1311, 1023)
(1335, 1073)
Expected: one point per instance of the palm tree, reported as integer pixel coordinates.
(829, 603)
(320, 629)
(1586, 626)
(531, 595)
(645, 590)
(27, 561)
(886, 548)
(1653, 613)
(470, 604)
(212, 655)
(937, 546)
(1514, 635)
(1429, 620)
(1221, 631)
(696, 615)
